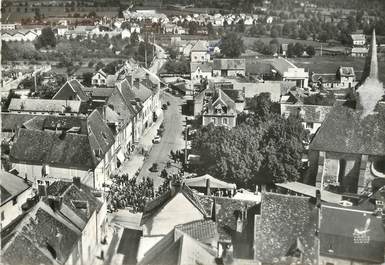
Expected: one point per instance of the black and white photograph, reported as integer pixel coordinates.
(192, 132)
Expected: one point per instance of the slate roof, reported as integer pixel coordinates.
(118, 105)
(30, 238)
(98, 92)
(72, 150)
(337, 237)
(325, 78)
(44, 105)
(235, 94)
(229, 64)
(129, 96)
(281, 65)
(141, 91)
(11, 186)
(283, 220)
(13, 121)
(75, 86)
(154, 206)
(309, 113)
(219, 96)
(344, 131)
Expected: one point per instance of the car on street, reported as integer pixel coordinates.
(156, 139)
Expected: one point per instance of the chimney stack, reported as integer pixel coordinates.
(76, 181)
(42, 190)
(208, 193)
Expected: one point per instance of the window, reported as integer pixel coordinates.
(224, 121)
(213, 120)
(309, 125)
(2, 216)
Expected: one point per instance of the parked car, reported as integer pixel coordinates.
(156, 140)
(164, 106)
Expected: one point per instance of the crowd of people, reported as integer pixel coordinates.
(134, 193)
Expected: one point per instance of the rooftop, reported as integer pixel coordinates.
(11, 186)
(229, 64)
(45, 105)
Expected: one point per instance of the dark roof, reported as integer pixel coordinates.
(72, 150)
(339, 237)
(201, 230)
(32, 238)
(98, 92)
(235, 94)
(11, 186)
(154, 206)
(129, 96)
(309, 113)
(283, 220)
(65, 123)
(116, 102)
(325, 78)
(45, 105)
(229, 64)
(76, 87)
(226, 211)
(205, 67)
(13, 121)
(344, 131)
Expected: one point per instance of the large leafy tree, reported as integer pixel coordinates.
(232, 45)
(46, 38)
(264, 148)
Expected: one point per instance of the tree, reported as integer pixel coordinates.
(5, 102)
(231, 45)
(263, 148)
(87, 79)
(134, 38)
(111, 67)
(99, 66)
(46, 38)
(298, 49)
(319, 99)
(192, 28)
(310, 50)
(241, 25)
(210, 29)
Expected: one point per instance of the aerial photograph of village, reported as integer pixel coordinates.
(192, 132)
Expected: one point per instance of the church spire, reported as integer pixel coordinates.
(373, 57)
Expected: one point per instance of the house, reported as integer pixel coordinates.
(65, 226)
(274, 88)
(344, 78)
(229, 67)
(347, 153)
(359, 52)
(11, 122)
(285, 230)
(347, 76)
(64, 147)
(199, 52)
(298, 75)
(19, 35)
(358, 39)
(350, 236)
(200, 70)
(311, 116)
(217, 108)
(71, 90)
(104, 80)
(186, 244)
(14, 193)
(47, 106)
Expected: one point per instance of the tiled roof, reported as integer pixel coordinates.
(76, 87)
(45, 236)
(324, 78)
(44, 105)
(11, 186)
(214, 183)
(351, 234)
(345, 131)
(229, 64)
(118, 105)
(283, 220)
(13, 121)
(308, 113)
(205, 67)
(235, 94)
(129, 96)
(98, 92)
(201, 230)
(141, 91)
(72, 150)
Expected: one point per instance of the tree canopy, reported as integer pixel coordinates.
(46, 38)
(263, 148)
(232, 45)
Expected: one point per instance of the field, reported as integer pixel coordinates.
(330, 64)
(249, 41)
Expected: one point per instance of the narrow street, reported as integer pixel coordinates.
(172, 139)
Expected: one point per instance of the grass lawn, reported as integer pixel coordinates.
(330, 64)
(249, 41)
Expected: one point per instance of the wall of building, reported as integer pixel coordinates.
(201, 56)
(89, 240)
(219, 120)
(178, 211)
(11, 210)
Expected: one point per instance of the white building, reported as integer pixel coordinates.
(298, 75)
(199, 52)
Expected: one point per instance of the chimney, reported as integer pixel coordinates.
(318, 198)
(55, 202)
(42, 190)
(76, 181)
(208, 193)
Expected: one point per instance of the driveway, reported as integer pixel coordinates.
(172, 139)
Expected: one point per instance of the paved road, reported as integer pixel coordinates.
(172, 139)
